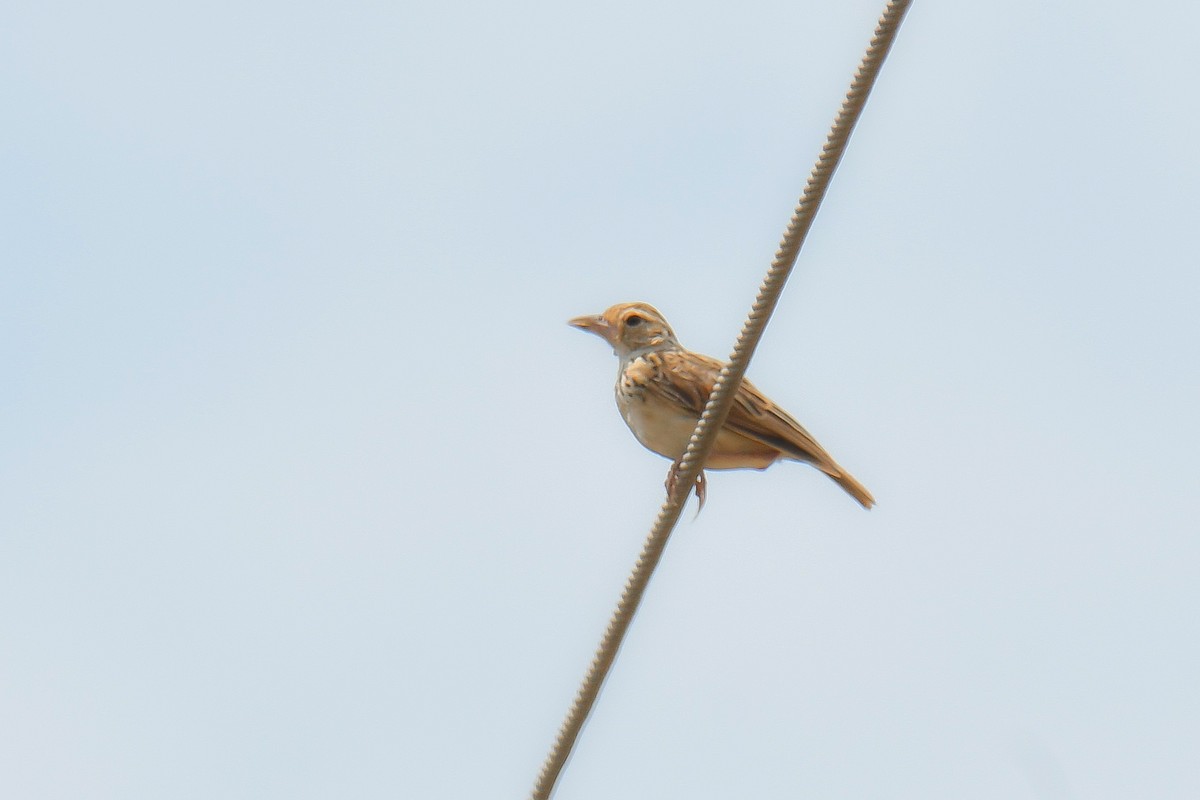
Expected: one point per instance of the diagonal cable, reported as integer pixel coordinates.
(723, 393)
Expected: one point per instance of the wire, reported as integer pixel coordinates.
(724, 390)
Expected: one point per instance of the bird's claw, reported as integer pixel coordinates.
(701, 486)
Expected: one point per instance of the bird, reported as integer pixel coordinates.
(662, 388)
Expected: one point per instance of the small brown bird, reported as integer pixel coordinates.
(662, 388)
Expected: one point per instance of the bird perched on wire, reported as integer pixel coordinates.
(662, 388)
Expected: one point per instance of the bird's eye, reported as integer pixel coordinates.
(634, 320)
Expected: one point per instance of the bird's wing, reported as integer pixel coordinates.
(686, 379)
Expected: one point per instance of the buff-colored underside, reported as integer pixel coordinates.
(662, 393)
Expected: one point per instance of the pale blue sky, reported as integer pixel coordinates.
(308, 491)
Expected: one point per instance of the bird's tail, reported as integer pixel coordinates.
(849, 483)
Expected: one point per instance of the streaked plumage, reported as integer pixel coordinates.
(662, 388)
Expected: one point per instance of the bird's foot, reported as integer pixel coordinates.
(701, 486)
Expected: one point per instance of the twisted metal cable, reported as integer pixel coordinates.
(724, 390)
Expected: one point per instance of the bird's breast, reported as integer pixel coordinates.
(660, 426)
(665, 427)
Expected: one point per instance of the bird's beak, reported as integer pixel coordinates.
(594, 324)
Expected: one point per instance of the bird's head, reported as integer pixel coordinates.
(629, 327)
